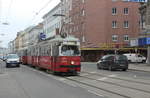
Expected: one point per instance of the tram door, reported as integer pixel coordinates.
(55, 54)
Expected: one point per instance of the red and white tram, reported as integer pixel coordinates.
(57, 55)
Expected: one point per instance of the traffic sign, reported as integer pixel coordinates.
(42, 36)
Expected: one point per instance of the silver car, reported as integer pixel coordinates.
(12, 60)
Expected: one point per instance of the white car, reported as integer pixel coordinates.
(135, 58)
(12, 60)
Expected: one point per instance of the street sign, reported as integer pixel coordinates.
(42, 36)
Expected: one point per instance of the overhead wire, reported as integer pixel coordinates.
(0, 9)
(44, 6)
(8, 13)
(38, 12)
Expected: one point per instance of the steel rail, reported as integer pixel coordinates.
(128, 80)
(109, 91)
(117, 84)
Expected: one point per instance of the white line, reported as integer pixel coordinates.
(71, 77)
(4, 74)
(135, 76)
(85, 74)
(70, 84)
(112, 75)
(61, 79)
(104, 78)
(95, 93)
(93, 72)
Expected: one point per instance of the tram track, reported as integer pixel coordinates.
(84, 82)
(138, 70)
(60, 78)
(93, 86)
(116, 84)
(128, 80)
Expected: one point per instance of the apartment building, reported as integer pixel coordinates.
(52, 22)
(145, 25)
(102, 25)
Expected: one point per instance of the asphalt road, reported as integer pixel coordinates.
(27, 82)
(129, 84)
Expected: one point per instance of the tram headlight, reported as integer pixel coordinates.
(72, 62)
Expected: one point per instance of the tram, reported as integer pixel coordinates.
(57, 55)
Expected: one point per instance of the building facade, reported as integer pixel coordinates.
(52, 23)
(33, 34)
(16, 41)
(145, 13)
(11, 47)
(102, 24)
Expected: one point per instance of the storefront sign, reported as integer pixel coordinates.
(135, 0)
(144, 41)
(134, 42)
(148, 41)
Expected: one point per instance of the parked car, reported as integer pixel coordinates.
(1, 57)
(12, 60)
(135, 58)
(113, 62)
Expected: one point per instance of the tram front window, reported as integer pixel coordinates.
(70, 50)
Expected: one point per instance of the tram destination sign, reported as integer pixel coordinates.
(135, 0)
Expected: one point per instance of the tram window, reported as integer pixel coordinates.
(45, 51)
(70, 50)
(39, 51)
(48, 51)
(55, 50)
(36, 51)
(42, 51)
(32, 51)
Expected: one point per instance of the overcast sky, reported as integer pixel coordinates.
(20, 14)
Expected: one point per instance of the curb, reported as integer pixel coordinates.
(139, 70)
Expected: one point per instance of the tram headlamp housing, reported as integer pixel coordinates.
(72, 62)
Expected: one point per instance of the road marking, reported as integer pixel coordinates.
(61, 79)
(4, 74)
(71, 77)
(112, 75)
(69, 83)
(104, 78)
(93, 72)
(95, 93)
(135, 76)
(85, 74)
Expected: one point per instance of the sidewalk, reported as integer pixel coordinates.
(139, 67)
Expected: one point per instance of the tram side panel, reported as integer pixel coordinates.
(49, 56)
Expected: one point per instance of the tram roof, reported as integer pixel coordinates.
(58, 38)
(68, 38)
